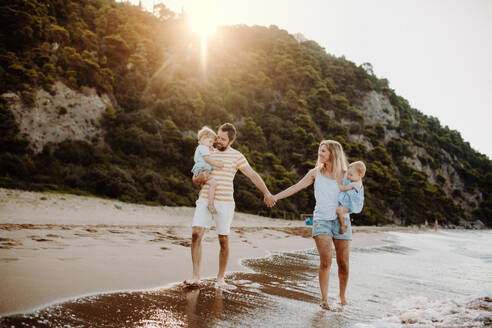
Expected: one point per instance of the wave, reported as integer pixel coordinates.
(420, 312)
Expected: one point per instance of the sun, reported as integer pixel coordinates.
(202, 25)
(203, 18)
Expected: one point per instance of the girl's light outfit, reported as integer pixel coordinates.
(200, 163)
(352, 199)
(325, 221)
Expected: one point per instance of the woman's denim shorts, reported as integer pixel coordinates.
(331, 228)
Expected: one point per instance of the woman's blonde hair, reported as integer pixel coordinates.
(337, 158)
(206, 132)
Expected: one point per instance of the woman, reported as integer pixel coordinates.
(330, 168)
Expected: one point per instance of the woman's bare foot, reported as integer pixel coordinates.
(220, 283)
(343, 301)
(211, 208)
(324, 305)
(343, 228)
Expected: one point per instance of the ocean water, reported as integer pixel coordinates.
(428, 279)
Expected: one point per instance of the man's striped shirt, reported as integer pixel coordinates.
(233, 160)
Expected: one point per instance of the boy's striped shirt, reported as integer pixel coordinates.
(233, 160)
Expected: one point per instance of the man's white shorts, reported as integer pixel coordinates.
(223, 218)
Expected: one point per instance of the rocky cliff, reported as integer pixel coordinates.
(63, 114)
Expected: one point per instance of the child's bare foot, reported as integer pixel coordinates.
(343, 301)
(211, 208)
(324, 305)
(343, 228)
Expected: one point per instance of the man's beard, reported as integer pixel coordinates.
(220, 147)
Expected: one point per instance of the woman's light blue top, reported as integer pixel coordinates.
(352, 199)
(326, 192)
(200, 163)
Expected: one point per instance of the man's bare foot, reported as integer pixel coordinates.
(192, 283)
(211, 208)
(220, 283)
(343, 228)
(343, 301)
(324, 305)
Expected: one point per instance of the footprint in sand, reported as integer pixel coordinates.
(117, 231)
(69, 258)
(10, 243)
(81, 235)
(156, 240)
(39, 239)
(8, 227)
(53, 236)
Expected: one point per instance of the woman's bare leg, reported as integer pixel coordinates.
(323, 243)
(341, 211)
(342, 248)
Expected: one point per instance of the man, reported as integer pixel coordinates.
(233, 160)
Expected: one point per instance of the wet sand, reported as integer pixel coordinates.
(55, 247)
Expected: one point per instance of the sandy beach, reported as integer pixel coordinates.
(55, 247)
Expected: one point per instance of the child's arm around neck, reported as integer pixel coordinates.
(358, 183)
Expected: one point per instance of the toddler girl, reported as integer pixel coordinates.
(351, 199)
(206, 139)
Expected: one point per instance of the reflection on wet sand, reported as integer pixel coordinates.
(278, 288)
(218, 305)
(192, 316)
(191, 301)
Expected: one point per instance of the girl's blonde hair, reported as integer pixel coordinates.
(206, 132)
(360, 167)
(337, 158)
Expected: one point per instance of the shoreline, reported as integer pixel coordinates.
(59, 247)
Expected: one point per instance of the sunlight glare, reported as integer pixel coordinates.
(202, 22)
(202, 25)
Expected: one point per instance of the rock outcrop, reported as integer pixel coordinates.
(377, 109)
(64, 114)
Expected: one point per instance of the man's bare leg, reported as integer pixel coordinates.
(223, 259)
(342, 248)
(196, 255)
(323, 243)
(341, 211)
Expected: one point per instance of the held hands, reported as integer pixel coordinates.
(269, 199)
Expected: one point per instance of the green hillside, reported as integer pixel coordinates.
(283, 95)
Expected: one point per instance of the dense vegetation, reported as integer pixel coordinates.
(284, 96)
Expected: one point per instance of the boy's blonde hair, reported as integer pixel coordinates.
(206, 132)
(337, 158)
(360, 167)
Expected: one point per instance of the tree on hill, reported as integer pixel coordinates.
(284, 94)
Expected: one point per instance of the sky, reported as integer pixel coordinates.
(437, 54)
